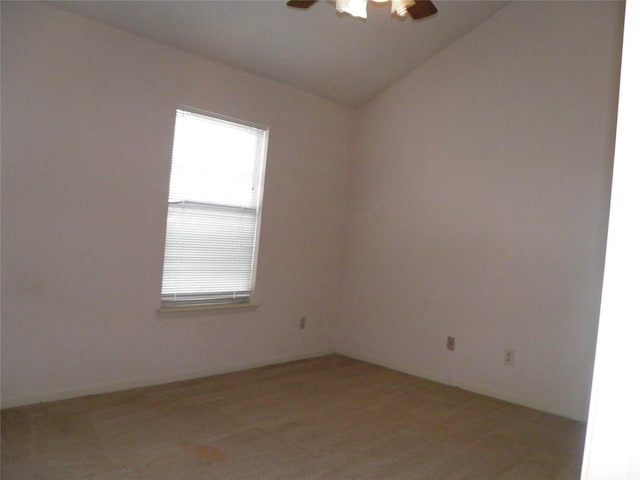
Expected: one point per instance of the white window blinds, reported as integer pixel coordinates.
(214, 210)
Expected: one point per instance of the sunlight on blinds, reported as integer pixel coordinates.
(213, 214)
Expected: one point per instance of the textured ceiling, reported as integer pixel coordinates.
(334, 56)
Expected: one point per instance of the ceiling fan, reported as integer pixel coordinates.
(417, 9)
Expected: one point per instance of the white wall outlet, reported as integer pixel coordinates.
(303, 322)
(451, 343)
(509, 356)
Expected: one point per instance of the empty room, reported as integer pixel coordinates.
(400, 279)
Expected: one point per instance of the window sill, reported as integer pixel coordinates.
(209, 307)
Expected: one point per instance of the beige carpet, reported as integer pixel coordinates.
(325, 418)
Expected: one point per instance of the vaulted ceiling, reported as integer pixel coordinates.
(334, 56)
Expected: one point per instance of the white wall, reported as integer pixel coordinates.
(479, 193)
(88, 115)
(479, 207)
(612, 444)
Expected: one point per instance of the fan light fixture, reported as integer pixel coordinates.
(358, 8)
(417, 9)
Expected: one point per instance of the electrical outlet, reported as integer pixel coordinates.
(451, 343)
(509, 356)
(303, 322)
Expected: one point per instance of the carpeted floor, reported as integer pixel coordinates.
(325, 418)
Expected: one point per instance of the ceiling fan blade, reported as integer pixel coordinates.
(300, 3)
(422, 9)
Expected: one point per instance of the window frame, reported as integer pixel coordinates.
(225, 303)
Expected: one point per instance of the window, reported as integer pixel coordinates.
(213, 217)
